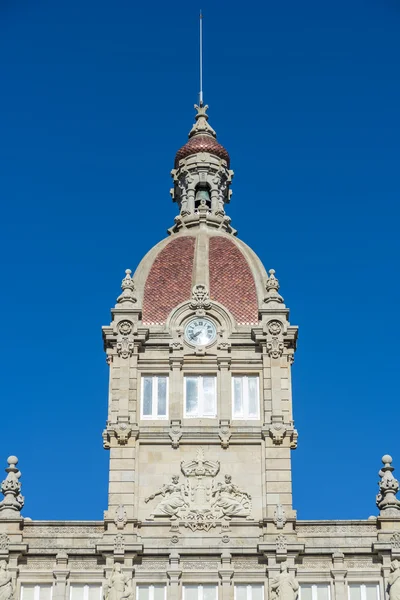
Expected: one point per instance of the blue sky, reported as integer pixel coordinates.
(96, 98)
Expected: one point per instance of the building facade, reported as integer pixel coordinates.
(200, 433)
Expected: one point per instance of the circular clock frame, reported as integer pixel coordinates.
(200, 331)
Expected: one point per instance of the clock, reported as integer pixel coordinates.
(200, 332)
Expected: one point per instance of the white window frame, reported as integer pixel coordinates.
(36, 589)
(86, 589)
(200, 587)
(249, 589)
(200, 413)
(245, 416)
(314, 587)
(154, 399)
(150, 587)
(362, 587)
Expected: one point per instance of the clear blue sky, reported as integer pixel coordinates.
(96, 98)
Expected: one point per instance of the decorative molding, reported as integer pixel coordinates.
(395, 540)
(122, 432)
(120, 518)
(275, 345)
(200, 301)
(119, 544)
(281, 543)
(278, 430)
(200, 565)
(224, 432)
(280, 516)
(4, 542)
(175, 432)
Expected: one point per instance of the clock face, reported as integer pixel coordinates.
(200, 332)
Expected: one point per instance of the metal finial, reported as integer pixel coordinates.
(201, 60)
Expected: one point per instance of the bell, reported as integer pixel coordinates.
(202, 195)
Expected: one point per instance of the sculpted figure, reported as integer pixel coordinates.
(173, 499)
(6, 586)
(231, 500)
(394, 581)
(285, 586)
(118, 585)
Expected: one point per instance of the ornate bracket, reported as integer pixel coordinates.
(278, 431)
(280, 517)
(122, 432)
(224, 432)
(175, 433)
(120, 518)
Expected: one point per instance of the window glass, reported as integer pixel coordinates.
(322, 592)
(238, 397)
(306, 592)
(143, 592)
(209, 592)
(191, 396)
(252, 396)
(94, 592)
(355, 592)
(45, 592)
(209, 396)
(147, 396)
(162, 397)
(371, 591)
(257, 592)
(159, 592)
(28, 592)
(190, 592)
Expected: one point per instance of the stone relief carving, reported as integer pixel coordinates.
(11, 488)
(125, 340)
(119, 544)
(281, 543)
(4, 541)
(199, 502)
(275, 343)
(277, 431)
(394, 581)
(279, 516)
(386, 500)
(120, 518)
(285, 586)
(200, 298)
(395, 540)
(118, 586)
(6, 586)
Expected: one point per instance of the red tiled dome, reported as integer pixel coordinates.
(168, 278)
(202, 143)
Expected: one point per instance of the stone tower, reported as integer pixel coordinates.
(200, 426)
(200, 432)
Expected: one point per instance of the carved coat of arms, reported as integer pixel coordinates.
(199, 501)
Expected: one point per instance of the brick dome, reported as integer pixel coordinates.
(168, 273)
(202, 143)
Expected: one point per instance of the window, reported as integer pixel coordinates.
(249, 592)
(200, 592)
(37, 592)
(154, 397)
(151, 592)
(314, 592)
(245, 397)
(361, 591)
(85, 592)
(200, 396)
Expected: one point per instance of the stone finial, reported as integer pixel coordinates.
(272, 288)
(386, 500)
(201, 125)
(128, 288)
(12, 503)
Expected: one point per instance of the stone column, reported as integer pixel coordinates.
(174, 573)
(339, 573)
(226, 573)
(60, 574)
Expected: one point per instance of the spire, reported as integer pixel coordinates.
(272, 287)
(11, 488)
(128, 288)
(386, 500)
(201, 125)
